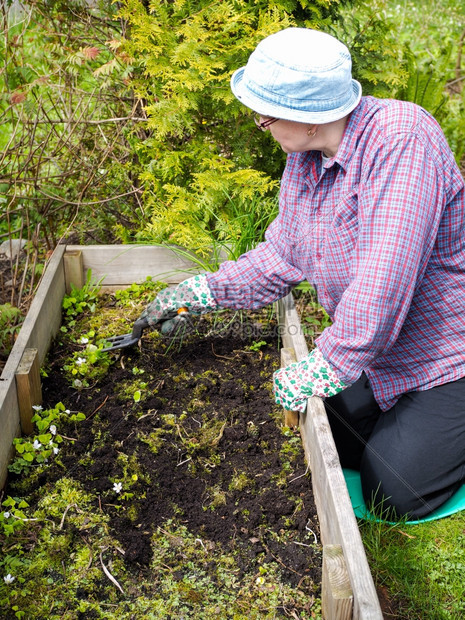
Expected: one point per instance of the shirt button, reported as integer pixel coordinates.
(318, 256)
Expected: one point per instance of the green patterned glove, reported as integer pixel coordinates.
(193, 294)
(312, 376)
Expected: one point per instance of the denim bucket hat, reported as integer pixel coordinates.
(298, 74)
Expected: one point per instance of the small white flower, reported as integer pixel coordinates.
(8, 578)
(67, 410)
(36, 445)
(80, 360)
(53, 429)
(117, 487)
(37, 407)
(77, 383)
(6, 515)
(84, 340)
(56, 450)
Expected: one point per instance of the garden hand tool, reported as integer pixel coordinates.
(172, 305)
(168, 326)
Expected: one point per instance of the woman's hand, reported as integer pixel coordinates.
(312, 376)
(192, 295)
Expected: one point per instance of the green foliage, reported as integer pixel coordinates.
(203, 161)
(410, 52)
(67, 121)
(434, 34)
(86, 366)
(137, 292)
(256, 346)
(202, 147)
(10, 324)
(38, 449)
(377, 57)
(80, 300)
(83, 326)
(13, 516)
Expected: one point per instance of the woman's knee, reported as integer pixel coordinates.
(393, 494)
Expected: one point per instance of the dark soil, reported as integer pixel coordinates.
(208, 399)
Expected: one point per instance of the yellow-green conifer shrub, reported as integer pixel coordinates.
(203, 152)
(203, 161)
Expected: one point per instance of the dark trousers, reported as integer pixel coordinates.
(412, 457)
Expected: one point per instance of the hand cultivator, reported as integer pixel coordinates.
(169, 326)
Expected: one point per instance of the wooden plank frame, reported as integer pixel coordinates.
(118, 267)
(338, 525)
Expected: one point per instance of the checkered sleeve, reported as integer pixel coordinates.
(259, 276)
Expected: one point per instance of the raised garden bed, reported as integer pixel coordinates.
(243, 443)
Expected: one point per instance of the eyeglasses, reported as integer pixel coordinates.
(264, 126)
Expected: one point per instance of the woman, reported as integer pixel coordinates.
(372, 213)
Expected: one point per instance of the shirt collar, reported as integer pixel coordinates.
(355, 126)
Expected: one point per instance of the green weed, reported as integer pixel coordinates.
(38, 449)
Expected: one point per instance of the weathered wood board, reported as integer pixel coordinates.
(122, 265)
(40, 326)
(338, 524)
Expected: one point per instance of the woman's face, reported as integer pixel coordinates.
(292, 136)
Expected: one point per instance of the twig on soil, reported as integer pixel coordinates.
(312, 532)
(280, 561)
(150, 413)
(198, 540)
(65, 513)
(222, 356)
(217, 439)
(107, 572)
(99, 407)
(301, 476)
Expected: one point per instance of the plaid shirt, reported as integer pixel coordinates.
(379, 230)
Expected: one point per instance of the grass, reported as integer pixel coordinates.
(434, 32)
(422, 566)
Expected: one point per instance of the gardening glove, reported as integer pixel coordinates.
(312, 376)
(193, 295)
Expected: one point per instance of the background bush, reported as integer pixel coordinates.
(118, 123)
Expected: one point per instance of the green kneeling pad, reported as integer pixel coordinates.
(352, 477)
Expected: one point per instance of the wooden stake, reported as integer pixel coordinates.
(291, 418)
(28, 387)
(336, 592)
(337, 597)
(74, 269)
